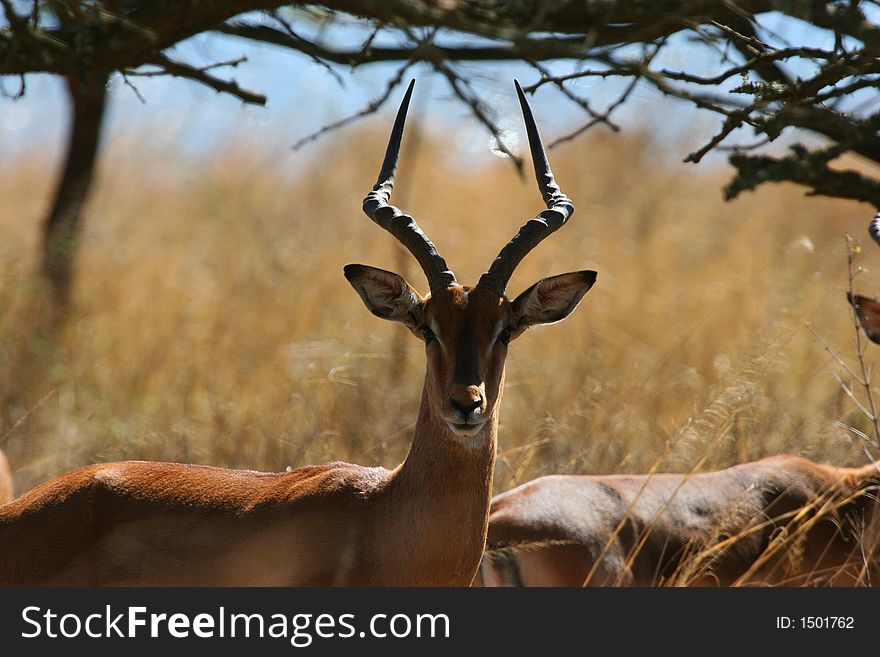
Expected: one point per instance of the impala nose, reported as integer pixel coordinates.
(467, 407)
(467, 400)
(464, 411)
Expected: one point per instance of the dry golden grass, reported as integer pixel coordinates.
(212, 323)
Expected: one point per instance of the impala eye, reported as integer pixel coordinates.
(427, 334)
(505, 335)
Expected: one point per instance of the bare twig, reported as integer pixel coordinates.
(178, 69)
(461, 88)
(370, 108)
(134, 89)
(602, 118)
(581, 102)
(731, 123)
(314, 57)
(837, 357)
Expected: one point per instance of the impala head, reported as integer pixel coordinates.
(466, 329)
(866, 309)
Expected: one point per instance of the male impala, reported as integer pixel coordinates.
(422, 523)
(781, 520)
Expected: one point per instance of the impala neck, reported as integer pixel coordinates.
(441, 495)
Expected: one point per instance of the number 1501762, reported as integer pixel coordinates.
(815, 622)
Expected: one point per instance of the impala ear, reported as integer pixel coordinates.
(868, 312)
(551, 299)
(386, 294)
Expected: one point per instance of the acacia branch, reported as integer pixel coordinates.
(539, 49)
(200, 74)
(95, 36)
(151, 26)
(804, 168)
(583, 103)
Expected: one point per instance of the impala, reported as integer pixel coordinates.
(867, 309)
(422, 523)
(6, 494)
(781, 520)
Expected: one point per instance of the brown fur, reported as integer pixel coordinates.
(782, 520)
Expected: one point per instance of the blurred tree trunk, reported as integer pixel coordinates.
(88, 101)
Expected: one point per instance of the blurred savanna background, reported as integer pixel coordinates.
(209, 320)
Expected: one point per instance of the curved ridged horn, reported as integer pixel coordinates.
(559, 209)
(874, 228)
(401, 225)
